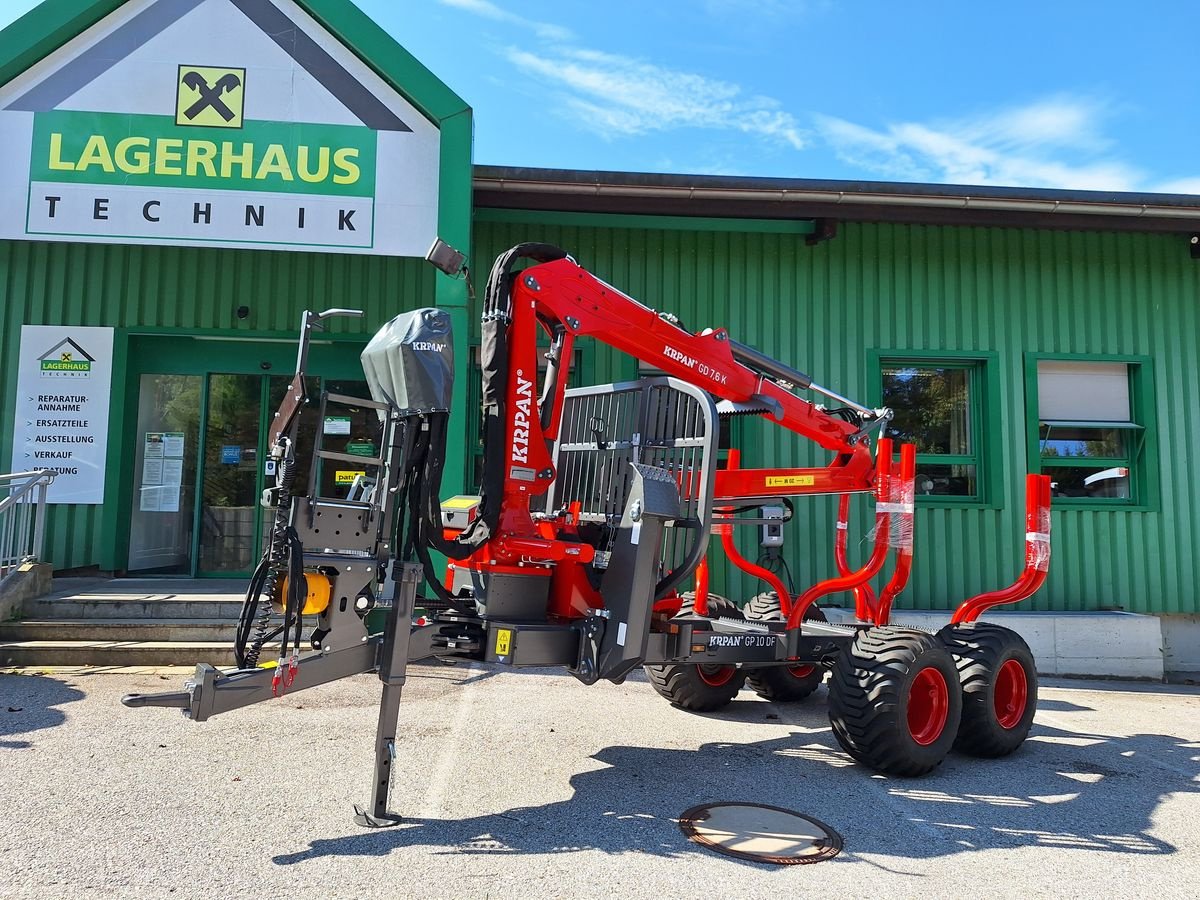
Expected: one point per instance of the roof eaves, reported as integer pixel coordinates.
(624, 191)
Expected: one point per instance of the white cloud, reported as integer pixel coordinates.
(1180, 186)
(489, 10)
(1056, 142)
(612, 94)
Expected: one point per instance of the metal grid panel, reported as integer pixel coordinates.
(661, 422)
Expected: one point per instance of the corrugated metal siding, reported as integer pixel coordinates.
(954, 289)
(190, 289)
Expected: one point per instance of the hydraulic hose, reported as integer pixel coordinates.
(254, 622)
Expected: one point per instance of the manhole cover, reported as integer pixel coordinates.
(762, 833)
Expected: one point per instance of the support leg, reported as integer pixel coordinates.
(393, 661)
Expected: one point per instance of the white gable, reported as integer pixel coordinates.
(66, 175)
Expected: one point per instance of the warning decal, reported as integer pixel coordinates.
(503, 641)
(774, 481)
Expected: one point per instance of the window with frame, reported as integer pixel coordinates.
(1088, 438)
(936, 406)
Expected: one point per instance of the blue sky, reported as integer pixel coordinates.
(1043, 93)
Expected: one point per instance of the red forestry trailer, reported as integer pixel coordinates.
(588, 545)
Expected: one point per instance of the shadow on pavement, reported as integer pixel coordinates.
(1049, 705)
(1064, 790)
(29, 703)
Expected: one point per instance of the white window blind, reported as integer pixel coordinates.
(1083, 391)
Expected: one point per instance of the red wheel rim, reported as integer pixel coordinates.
(716, 676)
(801, 671)
(1011, 694)
(928, 706)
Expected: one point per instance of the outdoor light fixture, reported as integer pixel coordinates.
(1194, 245)
(445, 258)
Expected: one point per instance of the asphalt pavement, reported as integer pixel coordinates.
(529, 784)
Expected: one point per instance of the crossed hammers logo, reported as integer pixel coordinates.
(210, 95)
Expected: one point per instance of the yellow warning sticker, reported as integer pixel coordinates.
(503, 641)
(790, 481)
(340, 477)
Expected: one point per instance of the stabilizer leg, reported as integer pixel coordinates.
(393, 661)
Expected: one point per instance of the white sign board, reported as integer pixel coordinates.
(63, 385)
(227, 123)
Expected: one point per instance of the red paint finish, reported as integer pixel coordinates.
(928, 706)
(700, 601)
(878, 555)
(903, 493)
(565, 301)
(1010, 694)
(735, 557)
(1037, 555)
(864, 594)
(716, 676)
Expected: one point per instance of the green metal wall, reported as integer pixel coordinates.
(898, 287)
(821, 308)
(175, 291)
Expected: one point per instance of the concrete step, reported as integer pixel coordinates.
(127, 609)
(220, 630)
(118, 653)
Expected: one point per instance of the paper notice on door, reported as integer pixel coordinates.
(173, 442)
(150, 498)
(152, 471)
(169, 500)
(154, 445)
(172, 472)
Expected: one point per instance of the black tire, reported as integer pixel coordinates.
(999, 686)
(782, 684)
(895, 701)
(700, 688)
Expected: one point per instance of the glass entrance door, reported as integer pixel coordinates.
(229, 521)
(239, 410)
(204, 408)
(164, 495)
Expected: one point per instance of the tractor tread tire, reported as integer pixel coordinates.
(979, 649)
(868, 700)
(777, 683)
(681, 684)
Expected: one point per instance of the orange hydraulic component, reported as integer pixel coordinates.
(1037, 555)
(319, 590)
(700, 602)
(883, 469)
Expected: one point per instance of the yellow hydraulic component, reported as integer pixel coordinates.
(320, 589)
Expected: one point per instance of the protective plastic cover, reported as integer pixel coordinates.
(409, 363)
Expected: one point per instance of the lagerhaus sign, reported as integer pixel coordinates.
(217, 122)
(64, 384)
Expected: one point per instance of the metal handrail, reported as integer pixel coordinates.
(22, 517)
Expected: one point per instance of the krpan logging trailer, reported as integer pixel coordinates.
(587, 546)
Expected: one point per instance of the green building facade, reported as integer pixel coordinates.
(1014, 330)
(993, 300)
